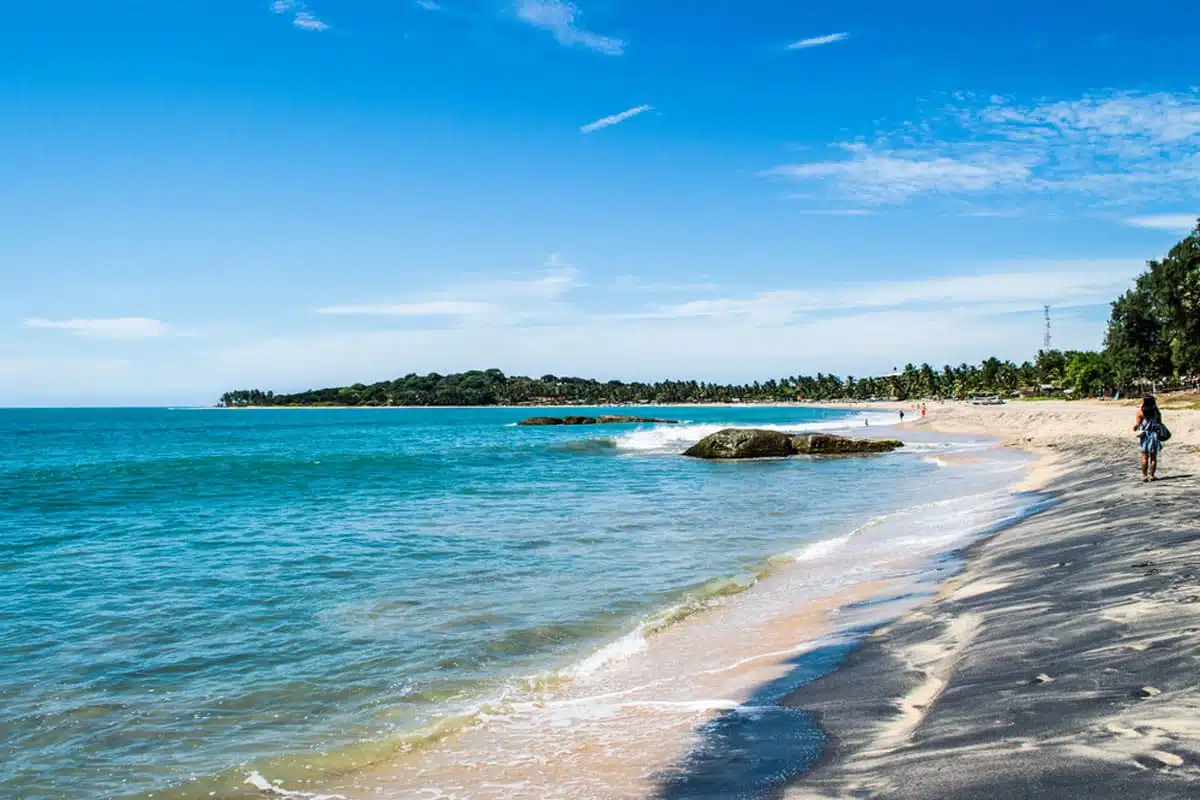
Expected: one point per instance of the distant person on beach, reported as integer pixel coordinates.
(1149, 430)
(922, 410)
(902, 415)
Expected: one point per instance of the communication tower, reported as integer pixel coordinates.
(1046, 339)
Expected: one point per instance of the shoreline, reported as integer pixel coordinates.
(1060, 661)
(831, 626)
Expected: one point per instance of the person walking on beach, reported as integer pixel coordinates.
(1149, 428)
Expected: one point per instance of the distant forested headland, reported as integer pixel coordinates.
(1153, 337)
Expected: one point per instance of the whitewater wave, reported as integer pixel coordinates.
(674, 438)
(707, 596)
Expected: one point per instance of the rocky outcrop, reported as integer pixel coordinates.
(604, 419)
(735, 443)
(743, 443)
(822, 444)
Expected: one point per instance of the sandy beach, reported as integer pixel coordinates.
(1062, 662)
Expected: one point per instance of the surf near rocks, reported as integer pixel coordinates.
(741, 443)
(605, 419)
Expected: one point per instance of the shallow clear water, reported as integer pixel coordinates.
(186, 591)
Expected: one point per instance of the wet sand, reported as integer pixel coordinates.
(1064, 662)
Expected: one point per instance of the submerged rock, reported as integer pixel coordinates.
(756, 443)
(742, 443)
(604, 419)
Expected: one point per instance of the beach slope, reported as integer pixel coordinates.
(1062, 662)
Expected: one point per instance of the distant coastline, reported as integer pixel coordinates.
(1052, 373)
(887, 405)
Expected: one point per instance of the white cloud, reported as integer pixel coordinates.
(1114, 148)
(1063, 284)
(891, 176)
(484, 303)
(1116, 121)
(632, 283)
(561, 18)
(817, 41)
(559, 278)
(301, 16)
(615, 119)
(429, 5)
(432, 308)
(113, 328)
(1010, 213)
(1176, 223)
(306, 20)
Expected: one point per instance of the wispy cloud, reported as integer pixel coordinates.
(112, 328)
(432, 308)
(1176, 223)
(301, 16)
(481, 303)
(1009, 213)
(429, 5)
(817, 41)
(1070, 283)
(633, 283)
(615, 119)
(892, 176)
(1114, 148)
(561, 18)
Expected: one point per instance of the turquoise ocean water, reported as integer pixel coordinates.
(192, 593)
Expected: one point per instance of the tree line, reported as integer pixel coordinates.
(1153, 335)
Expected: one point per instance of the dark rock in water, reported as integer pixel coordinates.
(607, 419)
(822, 444)
(755, 443)
(742, 443)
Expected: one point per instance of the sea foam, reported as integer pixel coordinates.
(674, 438)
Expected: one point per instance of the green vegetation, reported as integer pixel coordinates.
(1153, 334)
(1155, 326)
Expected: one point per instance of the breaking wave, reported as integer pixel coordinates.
(675, 438)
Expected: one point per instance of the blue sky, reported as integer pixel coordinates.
(233, 193)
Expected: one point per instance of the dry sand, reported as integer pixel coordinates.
(1064, 662)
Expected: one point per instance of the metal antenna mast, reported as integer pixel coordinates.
(1046, 340)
